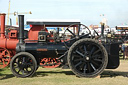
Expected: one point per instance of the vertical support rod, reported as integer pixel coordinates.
(21, 29)
(78, 30)
(2, 23)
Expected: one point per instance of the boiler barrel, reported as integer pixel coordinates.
(45, 50)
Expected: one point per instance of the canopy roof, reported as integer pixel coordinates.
(53, 22)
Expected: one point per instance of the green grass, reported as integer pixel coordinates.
(58, 76)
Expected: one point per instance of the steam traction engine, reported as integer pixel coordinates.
(76, 47)
(9, 40)
(7, 43)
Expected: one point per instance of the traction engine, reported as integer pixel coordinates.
(9, 40)
(7, 43)
(75, 47)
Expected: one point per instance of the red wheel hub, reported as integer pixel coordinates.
(50, 62)
(4, 57)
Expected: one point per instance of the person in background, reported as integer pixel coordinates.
(125, 49)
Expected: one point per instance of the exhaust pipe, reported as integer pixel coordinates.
(20, 46)
(21, 29)
(2, 25)
(102, 30)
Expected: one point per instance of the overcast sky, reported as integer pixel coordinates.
(88, 11)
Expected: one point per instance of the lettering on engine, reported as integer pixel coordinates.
(42, 49)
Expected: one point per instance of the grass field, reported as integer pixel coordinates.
(58, 76)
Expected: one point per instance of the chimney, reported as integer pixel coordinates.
(102, 30)
(21, 29)
(2, 25)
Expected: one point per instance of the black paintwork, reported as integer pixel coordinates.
(113, 55)
(46, 49)
(43, 50)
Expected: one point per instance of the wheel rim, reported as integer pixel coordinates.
(75, 35)
(4, 57)
(87, 58)
(50, 62)
(23, 65)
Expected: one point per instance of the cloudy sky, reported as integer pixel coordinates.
(88, 11)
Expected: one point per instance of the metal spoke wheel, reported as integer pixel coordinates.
(75, 32)
(50, 62)
(87, 58)
(5, 57)
(23, 64)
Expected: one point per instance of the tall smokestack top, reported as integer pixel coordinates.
(2, 25)
(21, 29)
(2, 14)
(102, 30)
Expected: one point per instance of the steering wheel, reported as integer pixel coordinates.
(75, 32)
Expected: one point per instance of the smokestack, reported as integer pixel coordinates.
(102, 30)
(2, 25)
(21, 29)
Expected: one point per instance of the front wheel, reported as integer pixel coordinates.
(23, 65)
(87, 58)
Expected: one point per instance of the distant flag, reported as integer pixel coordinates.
(62, 28)
(102, 15)
(16, 20)
(125, 23)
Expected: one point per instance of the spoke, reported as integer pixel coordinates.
(78, 59)
(16, 67)
(17, 63)
(19, 70)
(79, 53)
(71, 32)
(54, 60)
(19, 60)
(82, 64)
(98, 60)
(3, 62)
(89, 45)
(6, 60)
(31, 67)
(93, 66)
(89, 68)
(96, 56)
(85, 48)
(23, 59)
(95, 63)
(92, 50)
(78, 64)
(77, 56)
(80, 47)
(96, 51)
(3, 53)
(22, 71)
(30, 63)
(85, 69)
(27, 70)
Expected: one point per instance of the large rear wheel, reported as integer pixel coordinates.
(87, 58)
